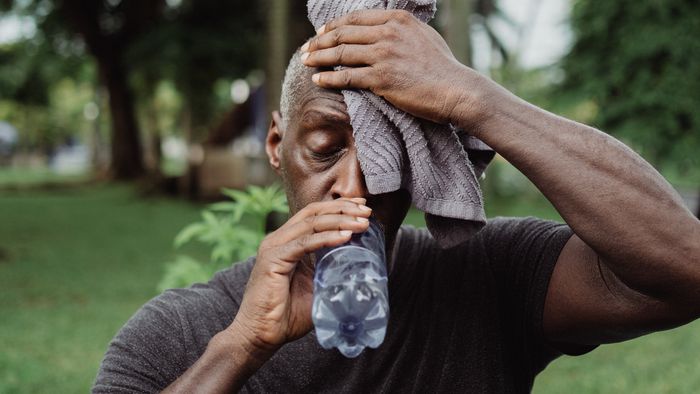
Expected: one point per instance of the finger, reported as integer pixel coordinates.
(292, 252)
(343, 35)
(321, 223)
(342, 55)
(342, 206)
(349, 78)
(361, 18)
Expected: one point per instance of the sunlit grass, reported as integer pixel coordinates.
(74, 265)
(26, 177)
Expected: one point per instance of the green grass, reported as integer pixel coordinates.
(19, 178)
(76, 263)
(664, 362)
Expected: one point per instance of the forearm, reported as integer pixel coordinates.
(224, 367)
(612, 199)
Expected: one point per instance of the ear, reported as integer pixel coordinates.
(274, 140)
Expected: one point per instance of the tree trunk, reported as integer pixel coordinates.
(127, 160)
(108, 49)
(454, 15)
(277, 58)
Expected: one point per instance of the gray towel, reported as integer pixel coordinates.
(397, 150)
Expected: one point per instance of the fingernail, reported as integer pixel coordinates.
(362, 220)
(321, 30)
(346, 233)
(304, 56)
(315, 78)
(305, 47)
(365, 208)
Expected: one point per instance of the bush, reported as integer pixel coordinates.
(232, 229)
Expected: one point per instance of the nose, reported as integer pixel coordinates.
(349, 180)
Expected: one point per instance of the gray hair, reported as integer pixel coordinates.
(296, 80)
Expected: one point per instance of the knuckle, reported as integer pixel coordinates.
(346, 77)
(353, 18)
(403, 16)
(303, 241)
(312, 222)
(339, 52)
(388, 32)
(381, 76)
(266, 243)
(383, 51)
(337, 36)
(313, 207)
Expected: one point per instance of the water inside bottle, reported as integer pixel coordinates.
(350, 308)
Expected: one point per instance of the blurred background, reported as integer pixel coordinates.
(122, 120)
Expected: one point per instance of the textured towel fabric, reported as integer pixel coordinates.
(437, 164)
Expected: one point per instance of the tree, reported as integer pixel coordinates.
(35, 76)
(638, 61)
(135, 44)
(108, 28)
(197, 44)
(458, 17)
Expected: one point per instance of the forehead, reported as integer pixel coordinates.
(318, 105)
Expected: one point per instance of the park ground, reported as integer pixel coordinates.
(76, 262)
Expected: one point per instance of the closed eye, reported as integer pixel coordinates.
(327, 155)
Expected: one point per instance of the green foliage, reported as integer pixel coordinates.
(232, 230)
(189, 45)
(75, 264)
(196, 44)
(638, 61)
(183, 272)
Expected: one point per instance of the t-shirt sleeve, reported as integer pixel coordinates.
(522, 254)
(169, 333)
(163, 339)
(136, 358)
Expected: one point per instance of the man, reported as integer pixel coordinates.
(485, 316)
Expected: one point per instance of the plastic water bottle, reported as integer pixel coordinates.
(351, 305)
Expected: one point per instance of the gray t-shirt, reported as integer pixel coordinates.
(467, 319)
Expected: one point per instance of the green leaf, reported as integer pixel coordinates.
(183, 272)
(223, 206)
(222, 229)
(189, 232)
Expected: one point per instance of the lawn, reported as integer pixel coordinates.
(75, 263)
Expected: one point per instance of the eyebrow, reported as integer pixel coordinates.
(314, 117)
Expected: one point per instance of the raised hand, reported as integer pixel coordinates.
(276, 306)
(398, 57)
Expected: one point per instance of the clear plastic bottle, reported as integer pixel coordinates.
(351, 300)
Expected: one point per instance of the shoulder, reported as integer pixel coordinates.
(412, 240)
(501, 241)
(170, 332)
(523, 235)
(187, 307)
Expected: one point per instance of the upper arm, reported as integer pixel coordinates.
(145, 354)
(522, 253)
(587, 304)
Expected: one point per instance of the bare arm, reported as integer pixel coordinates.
(225, 366)
(633, 265)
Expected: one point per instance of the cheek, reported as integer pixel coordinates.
(303, 186)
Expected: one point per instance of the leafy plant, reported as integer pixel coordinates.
(232, 229)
